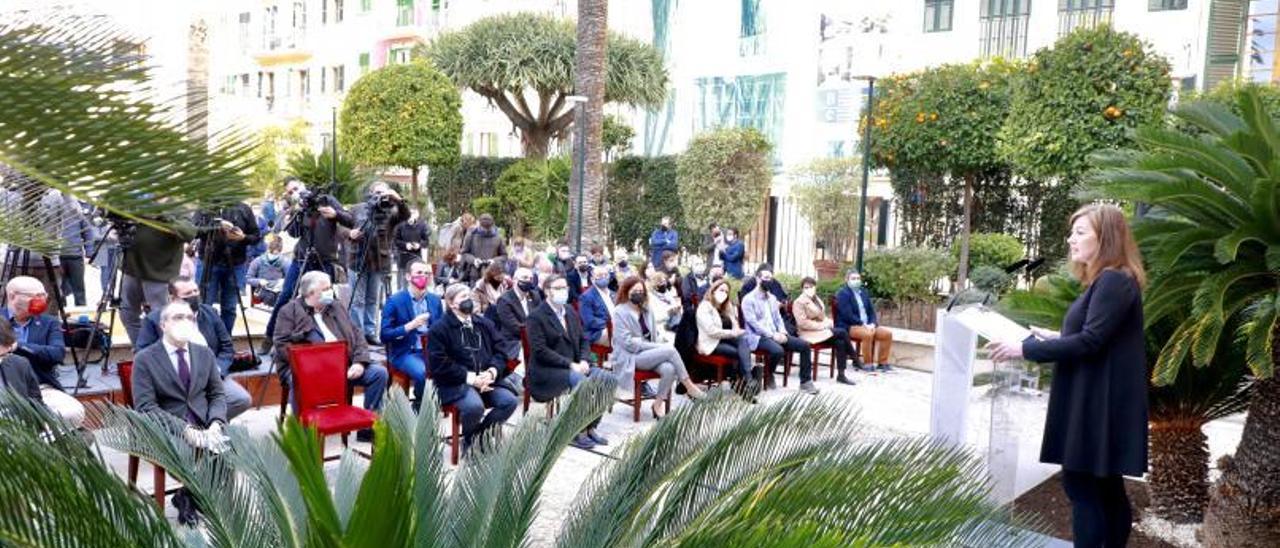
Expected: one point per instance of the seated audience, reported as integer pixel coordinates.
(181, 379)
(406, 318)
(597, 307)
(664, 302)
(467, 367)
(579, 278)
(489, 288)
(720, 334)
(210, 333)
(856, 315)
(637, 345)
(450, 270)
(560, 350)
(597, 255)
(695, 283)
(773, 286)
(816, 327)
(15, 371)
(767, 333)
(512, 310)
(315, 316)
(266, 272)
(40, 342)
(670, 265)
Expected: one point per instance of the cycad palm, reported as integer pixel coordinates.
(716, 474)
(1214, 249)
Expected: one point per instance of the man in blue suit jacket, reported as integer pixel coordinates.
(406, 318)
(664, 238)
(596, 307)
(733, 254)
(856, 315)
(213, 335)
(40, 342)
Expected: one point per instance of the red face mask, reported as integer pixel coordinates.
(37, 306)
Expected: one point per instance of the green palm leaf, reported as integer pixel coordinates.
(77, 120)
(1255, 335)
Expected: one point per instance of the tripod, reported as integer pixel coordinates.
(206, 254)
(111, 291)
(17, 261)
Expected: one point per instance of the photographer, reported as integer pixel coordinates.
(377, 218)
(482, 246)
(225, 238)
(314, 220)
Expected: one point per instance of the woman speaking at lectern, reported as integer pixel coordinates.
(1096, 426)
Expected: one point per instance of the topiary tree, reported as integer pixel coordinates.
(993, 250)
(405, 116)
(617, 137)
(643, 190)
(724, 177)
(944, 121)
(534, 197)
(827, 191)
(1085, 93)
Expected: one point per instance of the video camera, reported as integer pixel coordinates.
(310, 202)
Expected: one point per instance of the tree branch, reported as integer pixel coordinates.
(544, 97)
(498, 98)
(524, 106)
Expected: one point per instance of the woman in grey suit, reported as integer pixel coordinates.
(637, 344)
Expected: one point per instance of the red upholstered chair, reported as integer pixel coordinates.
(320, 378)
(450, 412)
(714, 361)
(640, 378)
(602, 350)
(125, 370)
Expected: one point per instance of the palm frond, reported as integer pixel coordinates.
(79, 118)
(1180, 152)
(1212, 117)
(1255, 335)
(57, 493)
(382, 514)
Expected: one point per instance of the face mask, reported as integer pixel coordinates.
(730, 237)
(700, 270)
(193, 302)
(37, 306)
(760, 286)
(564, 255)
(273, 257)
(526, 286)
(636, 298)
(622, 264)
(810, 291)
(326, 297)
(671, 266)
(560, 297)
(601, 282)
(583, 268)
(662, 288)
(419, 282)
(721, 296)
(181, 332)
(855, 284)
(598, 260)
(466, 307)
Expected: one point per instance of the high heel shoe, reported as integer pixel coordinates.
(654, 409)
(695, 393)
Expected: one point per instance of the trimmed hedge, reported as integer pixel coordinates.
(453, 189)
(641, 191)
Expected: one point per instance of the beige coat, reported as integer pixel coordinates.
(710, 328)
(812, 322)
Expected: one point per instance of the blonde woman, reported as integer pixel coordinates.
(720, 334)
(665, 304)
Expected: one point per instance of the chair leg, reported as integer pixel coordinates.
(786, 368)
(456, 428)
(157, 485)
(284, 403)
(133, 469)
(635, 401)
(526, 400)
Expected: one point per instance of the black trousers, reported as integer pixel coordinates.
(1100, 513)
(72, 285)
(775, 353)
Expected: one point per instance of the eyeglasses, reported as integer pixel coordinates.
(182, 317)
(559, 288)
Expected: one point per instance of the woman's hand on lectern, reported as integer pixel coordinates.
(1044, 334)
(1003, 351)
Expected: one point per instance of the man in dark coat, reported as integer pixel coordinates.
(512, 308)
(466, 366)
(481, 246)
(560, 351)
(15, 371)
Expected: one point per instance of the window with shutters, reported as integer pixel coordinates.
(1166, 5)
(937, 15)
(1003, 28)
(1074, 14)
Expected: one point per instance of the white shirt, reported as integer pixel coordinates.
(324, 329)
(172, 351)
(608, 300)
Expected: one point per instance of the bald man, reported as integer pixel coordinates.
(40, 342)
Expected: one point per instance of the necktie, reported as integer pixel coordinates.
(184, 376)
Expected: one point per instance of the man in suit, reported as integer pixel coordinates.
(467, 367)
(316, 316)
(512, 309)
(597, 307)
(559, 360)
(579, 279)
(40, 342)
(406, 319)
(181, 379)
(15, 371)
(210, 333)
(856, 316)
(766, 331)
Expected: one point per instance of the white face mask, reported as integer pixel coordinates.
(721, 296)
(810, 291)
(180, 332)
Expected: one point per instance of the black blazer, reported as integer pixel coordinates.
(450, 358)
(554, 348)
(17, 374)
(510, 319)
(1097, 419)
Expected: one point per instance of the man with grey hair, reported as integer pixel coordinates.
(513, 309)
(376, 221)
(39, 340)
(316, 316)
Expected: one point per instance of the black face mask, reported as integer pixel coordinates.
(526, 286)
(761, 284)
(636, 298)
(193, 302)
(584, 268)
(467, 307)
(662, 288)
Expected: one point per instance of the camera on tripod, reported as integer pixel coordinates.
(380, 208)
(310, 202)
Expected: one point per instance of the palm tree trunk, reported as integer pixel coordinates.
(1244, 504)
(589, 81)
(1179, 469)
(963, 276)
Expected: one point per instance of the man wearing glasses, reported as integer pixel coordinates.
(40, 342)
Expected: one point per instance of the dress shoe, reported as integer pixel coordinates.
(647, 391)
(597, 438)
(808, 388)
(844, 380)
(886, 368)
(365, 435)
(583, 441)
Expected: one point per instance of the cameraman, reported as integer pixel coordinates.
(314, 220)
(152, 257)
(377, 219)
(225, 238)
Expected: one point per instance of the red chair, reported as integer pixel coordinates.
(714, 361)
(450, 412)
(602, 351)
(158, 474)
(320, 377)
(640, 378)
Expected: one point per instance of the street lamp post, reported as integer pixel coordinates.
(580, 157)
(866, 167)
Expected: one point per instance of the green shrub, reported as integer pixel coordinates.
(641, 191)
(724, 177)
(990, 279)
(487, 204)
(995, 250)
(534, 197)
(906, 273)
(454, 188)
(314, 170)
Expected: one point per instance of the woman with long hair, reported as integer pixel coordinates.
(637, 344)
(665, 304)
(720, 334)
(490, 287)
(1097, 420)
